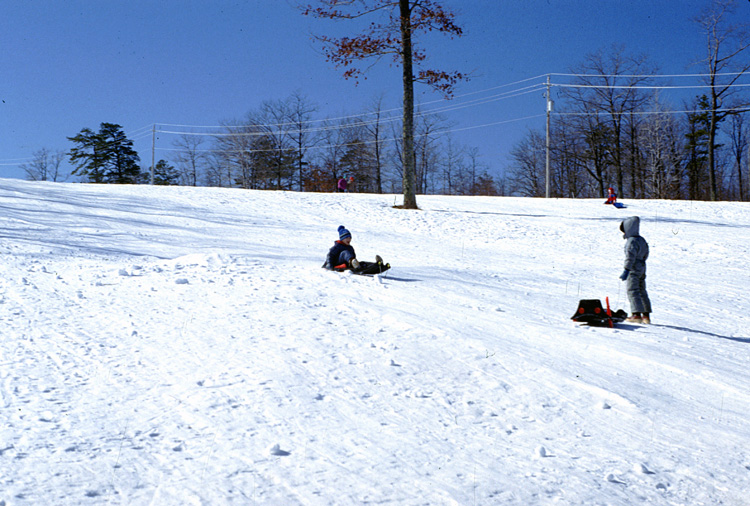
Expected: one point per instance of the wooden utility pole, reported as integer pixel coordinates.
(153, 151)
(549, 110)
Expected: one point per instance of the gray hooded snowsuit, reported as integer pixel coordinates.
(636, 253)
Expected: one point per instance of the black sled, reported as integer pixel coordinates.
(371, 268)
(367, 268)
(590, 312)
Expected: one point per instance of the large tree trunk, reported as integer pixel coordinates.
(409, 182)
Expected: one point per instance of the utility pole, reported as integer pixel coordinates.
(549, 110)
(153, 150)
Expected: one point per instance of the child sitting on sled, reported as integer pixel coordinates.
(611, 196)
(341, 256)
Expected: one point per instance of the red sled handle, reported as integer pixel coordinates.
(609, 313)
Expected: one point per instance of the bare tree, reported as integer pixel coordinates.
(661, 143)
(374, 128)
(273, 121)
(527, 170)
(453, 165)
(336, 137)
(189, 158)
(472, 175)
(302, 137)
(739, 138)
(568, 172)
(727, 61)
(607, 85)
(232, 163)
(45, 166)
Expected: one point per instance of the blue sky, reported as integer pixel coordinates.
(78, 63)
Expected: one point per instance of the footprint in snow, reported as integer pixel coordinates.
(610, 477)
(276, 450)
(542, 452)
(642, 469)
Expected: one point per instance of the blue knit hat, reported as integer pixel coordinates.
(343, 233)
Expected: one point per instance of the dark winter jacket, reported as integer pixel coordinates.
(636, 247)
(339, 253)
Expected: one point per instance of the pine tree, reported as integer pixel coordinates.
(105, 157)
(164, 174)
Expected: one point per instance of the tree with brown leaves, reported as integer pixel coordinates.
(392, 35)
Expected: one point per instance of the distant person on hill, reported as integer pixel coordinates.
(341, 187)
(634, 275)
(611, 196)
(350, 184)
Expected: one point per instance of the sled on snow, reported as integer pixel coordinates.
(591, 312)
(618, 205)
(365, 268)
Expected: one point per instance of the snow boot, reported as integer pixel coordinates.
(636, 318)
(354, 264)
(378, 260)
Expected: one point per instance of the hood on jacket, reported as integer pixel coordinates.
(630, 227)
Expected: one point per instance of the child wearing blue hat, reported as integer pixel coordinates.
(342, 256)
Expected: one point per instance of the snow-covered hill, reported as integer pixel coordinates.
(183, 346)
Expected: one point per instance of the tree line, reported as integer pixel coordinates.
(609, 132)
(104, 157)
(279, 146)
(613, 128)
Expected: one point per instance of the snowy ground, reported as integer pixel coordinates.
(183, 346)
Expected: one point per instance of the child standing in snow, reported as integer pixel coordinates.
(341, 254)
(636, 253)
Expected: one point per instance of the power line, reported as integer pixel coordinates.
(387, 119)
(262, 129)
(651, 76)
(644, 87)
(388, 116)
(362, 143)
(646, 113)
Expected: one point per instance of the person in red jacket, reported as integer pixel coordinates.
(611, 196)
